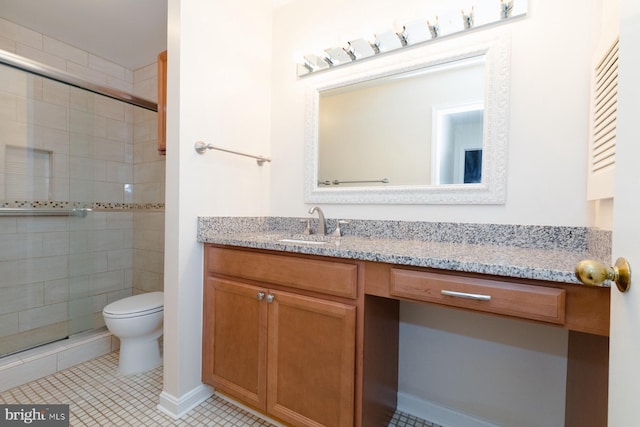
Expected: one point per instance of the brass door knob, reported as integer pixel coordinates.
(594, 273)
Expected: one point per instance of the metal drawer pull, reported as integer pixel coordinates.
(477, 297)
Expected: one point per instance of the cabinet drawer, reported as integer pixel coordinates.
(525, 301)
(327, 277)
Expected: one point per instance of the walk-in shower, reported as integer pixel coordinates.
(81, 202)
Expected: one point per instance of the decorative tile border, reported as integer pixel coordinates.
(97, 206)
(126, 206)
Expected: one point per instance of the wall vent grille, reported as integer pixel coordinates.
(603, 154)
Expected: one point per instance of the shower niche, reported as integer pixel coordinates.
(27, 174)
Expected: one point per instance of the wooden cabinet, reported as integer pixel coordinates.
(162, 103)
(288, 354)
(310, 360)
(573, 307)
(313, 341)
(235, 340)
(500, 297)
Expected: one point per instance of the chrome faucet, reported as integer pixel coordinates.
(322, 224)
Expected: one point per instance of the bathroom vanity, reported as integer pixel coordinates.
(312, 338)
(280, 333)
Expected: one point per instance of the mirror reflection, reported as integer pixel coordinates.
(419, 127)
(429, 126)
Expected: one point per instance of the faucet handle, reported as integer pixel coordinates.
(307, 229)
(338, 232)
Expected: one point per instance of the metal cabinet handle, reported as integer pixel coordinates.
(270, 298)
(260, 296)
(477, 297)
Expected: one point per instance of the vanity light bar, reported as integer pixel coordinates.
(413, 33)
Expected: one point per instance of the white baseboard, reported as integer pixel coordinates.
(177, 407)
(437, 414)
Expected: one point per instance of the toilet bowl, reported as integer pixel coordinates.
(137, 321)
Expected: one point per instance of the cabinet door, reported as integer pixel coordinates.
(311, 361)
(235, 340)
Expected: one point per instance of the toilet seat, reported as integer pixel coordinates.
(135, 306)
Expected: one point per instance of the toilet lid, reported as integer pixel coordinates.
(150, 301)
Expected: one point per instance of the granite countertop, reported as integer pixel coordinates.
(529, 252)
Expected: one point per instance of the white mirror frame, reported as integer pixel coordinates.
(492, 189)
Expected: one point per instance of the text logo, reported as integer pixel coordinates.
(34, 415)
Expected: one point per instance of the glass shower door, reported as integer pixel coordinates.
(66, 147)
(40, 301)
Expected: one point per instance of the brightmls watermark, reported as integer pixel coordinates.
(34, 415)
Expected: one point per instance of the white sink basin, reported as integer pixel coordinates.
(302, 242)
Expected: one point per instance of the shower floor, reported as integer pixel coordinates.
(99, 396)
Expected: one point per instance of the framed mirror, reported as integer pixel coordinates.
(426, 127)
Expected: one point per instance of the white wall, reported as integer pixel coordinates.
(456, 364)
(218, 91)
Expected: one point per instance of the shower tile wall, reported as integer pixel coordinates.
(100, 151)
(39, 47)
(148, 179)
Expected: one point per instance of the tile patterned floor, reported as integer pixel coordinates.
(400, 419)
(99, 396)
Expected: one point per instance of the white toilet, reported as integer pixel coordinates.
(137, 321)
